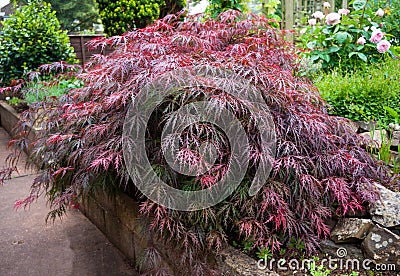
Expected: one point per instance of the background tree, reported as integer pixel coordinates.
(84, 11)
(73, 15)
(124, 15)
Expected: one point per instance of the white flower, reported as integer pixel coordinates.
(361, 41)
(312, 22)
(318, 15)
(380, 12)
(326, 5)
(8, 98)
(304, 30)
(343, 11)
(333, 18)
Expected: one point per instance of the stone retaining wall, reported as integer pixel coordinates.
(117, 217)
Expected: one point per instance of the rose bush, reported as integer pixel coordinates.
(346, 39)
(390, 10)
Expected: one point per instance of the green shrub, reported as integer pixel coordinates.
(124, 15)
(372, 93)
(31, 37)
(215, 7)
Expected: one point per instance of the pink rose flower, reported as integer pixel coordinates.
(343, 11)
(312, 22)
(361, 41)
(318, 15)
(376, 36)
(383, 46)
(380, 12)
(333, 18)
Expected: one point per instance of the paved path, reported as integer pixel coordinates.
(29, 246)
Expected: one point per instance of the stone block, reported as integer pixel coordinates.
(386, 211)
(366, 126)
(127, 210)
(106, 200)
(395, 140)
(95, 213)
(375, 139)
(8, 117)
(351, 230)
(382, 246)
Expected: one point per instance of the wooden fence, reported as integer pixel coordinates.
(83, 54)
(294, 10)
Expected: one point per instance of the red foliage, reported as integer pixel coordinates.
(319, 168)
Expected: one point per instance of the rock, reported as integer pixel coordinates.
(230, 261)
(395, 140)
(356, 213)
(386, 211)
(376, 138)
(351, 230)
(353, 125)
(346, 251)
(382, 246)
(395, 127)
(366, 126)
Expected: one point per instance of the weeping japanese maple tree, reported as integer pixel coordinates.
(320, 169)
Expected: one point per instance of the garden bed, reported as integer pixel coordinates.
(8, 117)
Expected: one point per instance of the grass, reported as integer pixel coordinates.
(37, 92)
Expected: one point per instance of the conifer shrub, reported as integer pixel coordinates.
(320, 169)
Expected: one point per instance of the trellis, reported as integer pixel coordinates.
(294, 10)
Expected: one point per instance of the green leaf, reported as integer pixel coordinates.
(333, 49)
(352, 54)
(336, 28)
(359, 4)
(326, 31)
(362, 57)
(341, 37)
(360, 47)
(311, 45)
(324, 57)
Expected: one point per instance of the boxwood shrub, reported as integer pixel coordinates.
(371, 93)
